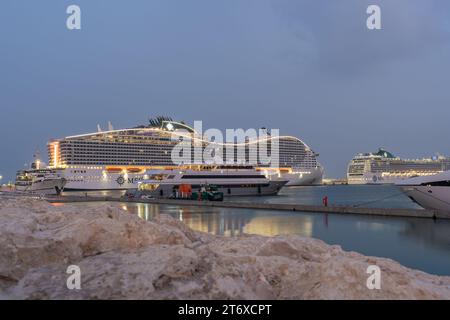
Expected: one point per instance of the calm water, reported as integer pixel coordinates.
(422, 244)
(363, 196)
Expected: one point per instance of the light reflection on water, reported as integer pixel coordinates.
(228, 222)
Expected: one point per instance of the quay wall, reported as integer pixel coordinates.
(391, 212)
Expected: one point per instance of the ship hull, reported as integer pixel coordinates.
(431, 192)
(299, 177)
(311, 177)
(377, 178)
(270, 188)
(100, 180)
(429, 197)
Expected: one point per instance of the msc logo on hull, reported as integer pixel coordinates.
(121, 180)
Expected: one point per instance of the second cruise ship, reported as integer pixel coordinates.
(119, 159)
(383, 167)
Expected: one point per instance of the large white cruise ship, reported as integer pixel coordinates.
(383, 167)
(119, 159)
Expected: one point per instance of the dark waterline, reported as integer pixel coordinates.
(422, 244)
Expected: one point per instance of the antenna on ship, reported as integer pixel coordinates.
(36, 154)
(37, 162)
(98, 128)
(110, 126)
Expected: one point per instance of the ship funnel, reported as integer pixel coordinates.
(110, 126)
(98, 128)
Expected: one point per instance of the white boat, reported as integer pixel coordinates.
(431, 192)
(40, 181)
(230, 180)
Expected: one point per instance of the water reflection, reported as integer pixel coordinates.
(280, 225)
(373, 226)
(432, 232)
(417, 243)
(227, 222)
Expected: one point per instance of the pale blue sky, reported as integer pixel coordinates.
(310, 68)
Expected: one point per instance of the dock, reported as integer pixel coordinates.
(387, 212)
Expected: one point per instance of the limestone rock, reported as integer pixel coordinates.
(123, 257)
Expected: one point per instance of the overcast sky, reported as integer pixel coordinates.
(310, 68)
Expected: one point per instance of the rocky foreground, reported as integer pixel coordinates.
(123, 257)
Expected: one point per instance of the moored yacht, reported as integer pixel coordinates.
(40, 181)
(230, 180)
(431, 192)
